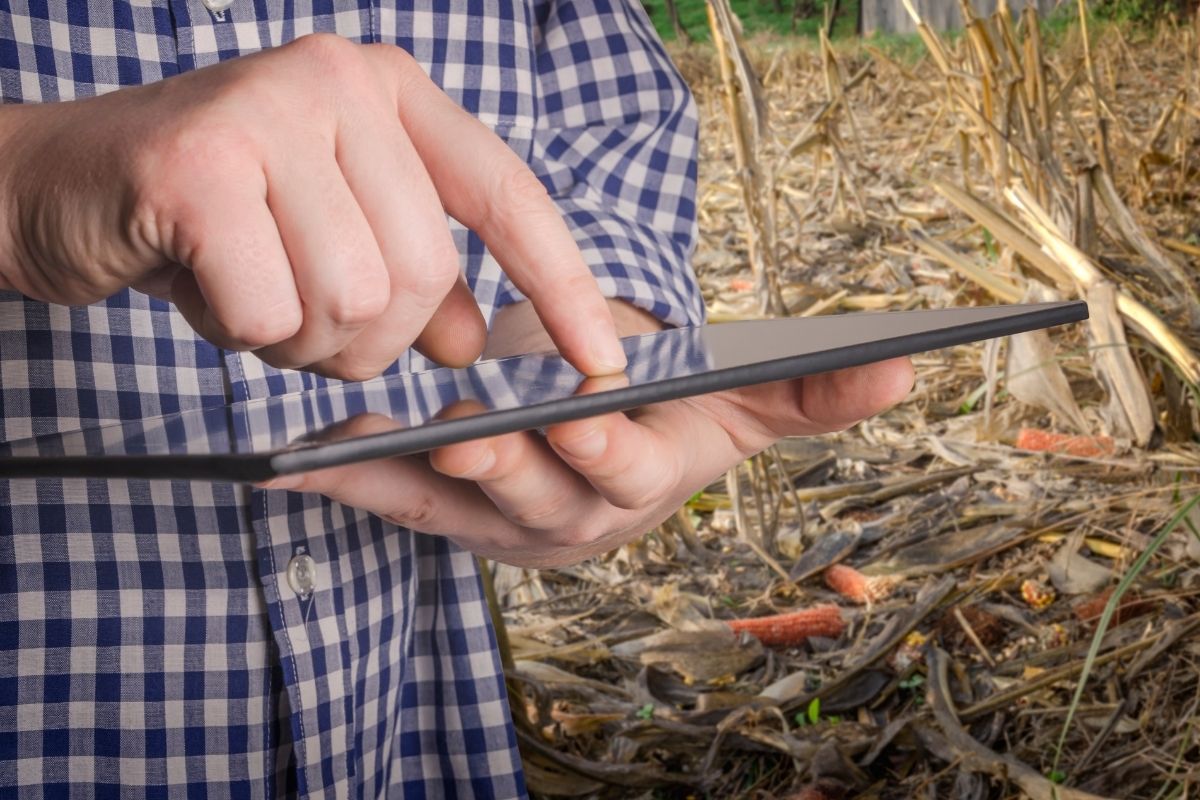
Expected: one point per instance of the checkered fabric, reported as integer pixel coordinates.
(151, 643)
(411, 399)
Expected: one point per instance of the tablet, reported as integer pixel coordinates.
(259, 439)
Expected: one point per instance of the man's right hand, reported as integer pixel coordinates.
(291, 203)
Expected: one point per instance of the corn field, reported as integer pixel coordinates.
(991, 591)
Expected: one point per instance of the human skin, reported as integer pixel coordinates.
(292, 203)
(591, 485)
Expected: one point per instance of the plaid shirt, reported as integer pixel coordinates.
(168, 639)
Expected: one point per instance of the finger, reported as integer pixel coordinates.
(456, 334)
(409, 225)
(495, 194)
(522, 477)
(631, 464)
(634, 463)
(237, 291)
(158, 283)
(404, 491)
(337, 265)
(835, 400)
(755, 416)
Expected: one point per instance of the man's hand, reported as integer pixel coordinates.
(594, 484)
(291, 203)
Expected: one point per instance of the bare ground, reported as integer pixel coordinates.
(989, 559)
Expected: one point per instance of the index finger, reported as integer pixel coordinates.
(487, 187)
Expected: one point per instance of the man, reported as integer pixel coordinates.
(264, 222)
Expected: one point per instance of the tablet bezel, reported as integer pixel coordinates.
(255, 467)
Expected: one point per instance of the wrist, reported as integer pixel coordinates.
(7, 213)
(14, 120)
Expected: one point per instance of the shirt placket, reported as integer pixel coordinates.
(296, 553)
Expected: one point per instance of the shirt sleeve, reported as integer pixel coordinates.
(615, 145)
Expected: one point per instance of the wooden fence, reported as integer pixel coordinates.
(889, 16)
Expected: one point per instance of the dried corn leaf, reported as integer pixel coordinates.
(944, 553)
(1032, 372)
(680, 611)
(542, 777)
(1129, 409)
(696, 655)
(1073, 573)
(830, 548)
(1173, 277)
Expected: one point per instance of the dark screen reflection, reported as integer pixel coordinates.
(307, 419)
(254, 439)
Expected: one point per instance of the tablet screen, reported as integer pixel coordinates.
(257, 439)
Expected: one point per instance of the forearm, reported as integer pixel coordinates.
(62, 203)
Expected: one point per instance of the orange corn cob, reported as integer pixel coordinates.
(853, 585)
(1083, 446)
(1036, 594)
(792, 628)
(1131, 605)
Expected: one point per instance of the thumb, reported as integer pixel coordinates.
(836, 400)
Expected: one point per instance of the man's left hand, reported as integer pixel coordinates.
(591, 485)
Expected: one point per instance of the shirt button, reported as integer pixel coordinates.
(217, 6)
(302, 575)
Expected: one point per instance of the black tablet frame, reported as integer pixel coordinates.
(256, 467)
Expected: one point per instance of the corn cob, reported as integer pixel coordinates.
(794, 627)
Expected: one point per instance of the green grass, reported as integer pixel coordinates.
(907, 48)
(1131, 574)
(762, 17)
(757, 16)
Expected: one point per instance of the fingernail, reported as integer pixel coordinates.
(609, 353)
(485, 463)
(282, 482)
(586, 447)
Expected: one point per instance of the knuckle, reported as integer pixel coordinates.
(516, 195)
(538, 513)
(432, 280)
(336, 68)
(260, 330)
(328, 54)
(520, 189)
(418, 512)
(639, 498)
(402, 71)
(583, 284)
(399, 59)
(356, 306)
(650, 493)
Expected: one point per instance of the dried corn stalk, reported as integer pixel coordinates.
(1003, 95)
(1129, 410)
(747, 119)
(1085, 274)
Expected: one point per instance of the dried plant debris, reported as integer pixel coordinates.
(905, 609)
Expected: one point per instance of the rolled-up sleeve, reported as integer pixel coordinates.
(615, 145)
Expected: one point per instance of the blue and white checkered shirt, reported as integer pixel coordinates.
(151, 642)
